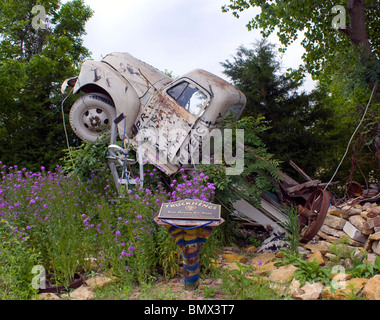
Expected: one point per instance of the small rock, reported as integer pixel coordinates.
(359, 253)
(344, 289)
(376, 210)
(310, 291)
(334, 211)
(231, 257)
(331, 231)
(348, 211)
(283, 274)
(231, 266)
(294, 287)
(251, 249)
(266, 268)
(48, 296)
(263, 258)
(330, 256)
(334, 222)
(374, 236)
(82, 293)
(317, 255)
(371, 257)
(353, 232)
(327, 237)
(362, 224)
(366, 206)
(371, 290)
(321, 246)
(373, 213)
(303, 250)
(376, 247)
(340, 276)
(98, 282)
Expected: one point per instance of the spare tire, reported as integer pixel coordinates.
(91, 116)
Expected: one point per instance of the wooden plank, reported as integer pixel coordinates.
(300, 171)
(245, 208)
(273, 211)
(301, 186)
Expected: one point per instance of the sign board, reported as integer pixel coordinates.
(190, 209)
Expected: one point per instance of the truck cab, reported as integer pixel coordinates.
(164, 116)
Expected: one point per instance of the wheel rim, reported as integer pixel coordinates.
(96, 119)
(313, 214)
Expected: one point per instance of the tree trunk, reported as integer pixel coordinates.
(357, 30)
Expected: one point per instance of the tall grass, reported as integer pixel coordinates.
(57, 221)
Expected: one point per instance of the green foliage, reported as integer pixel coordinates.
(295, 123)
(292, 228)
(366, 270)
(352, 262)
(306, 271)
(16, 264)
(260, 167)
(311, 272)
(346, 62)
(260, 171)
(83, 160)
(33, 64)
(314, 18)
(238, 285)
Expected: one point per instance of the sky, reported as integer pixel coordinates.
(176, 35)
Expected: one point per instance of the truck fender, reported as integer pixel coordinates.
(94, 75)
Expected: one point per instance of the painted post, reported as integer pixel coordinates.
(190, 234)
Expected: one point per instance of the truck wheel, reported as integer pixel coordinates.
(91, 116)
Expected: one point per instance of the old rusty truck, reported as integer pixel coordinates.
(157, 116)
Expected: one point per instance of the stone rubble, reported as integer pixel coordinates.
(359, 224)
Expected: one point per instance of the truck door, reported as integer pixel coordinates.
(172, 113)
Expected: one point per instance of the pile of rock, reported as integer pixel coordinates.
(360, 224)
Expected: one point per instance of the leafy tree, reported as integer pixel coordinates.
(324, 25)
(341, 44)
(297, 120)
(36, 55)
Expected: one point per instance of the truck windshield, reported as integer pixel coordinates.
(188, 96)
